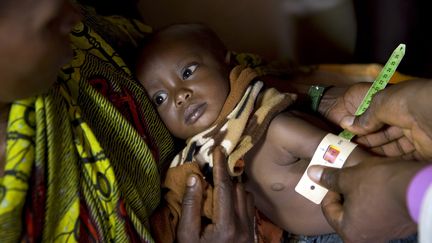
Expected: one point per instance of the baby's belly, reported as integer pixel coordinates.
(272, 186)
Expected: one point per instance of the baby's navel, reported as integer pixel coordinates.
(277, 186)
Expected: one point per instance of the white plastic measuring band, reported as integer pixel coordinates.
(332, 151)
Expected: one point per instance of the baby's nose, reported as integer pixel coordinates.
(182, 97)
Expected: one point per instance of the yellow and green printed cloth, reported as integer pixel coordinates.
(83, 160)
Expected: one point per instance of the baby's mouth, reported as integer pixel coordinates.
(194, 112)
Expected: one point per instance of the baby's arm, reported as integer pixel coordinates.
(275, 167)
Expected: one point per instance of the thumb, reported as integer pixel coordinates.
(190, 220)
(332, 203)
(325, 176)
(366, 123)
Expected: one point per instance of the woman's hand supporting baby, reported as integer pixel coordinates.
(233, 209)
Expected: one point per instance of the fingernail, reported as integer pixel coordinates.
(347, 121)
(191, 181)
(315, 173)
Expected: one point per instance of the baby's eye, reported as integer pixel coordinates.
(189, 71)
(159, 98)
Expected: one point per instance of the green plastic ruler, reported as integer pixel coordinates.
(379, 84)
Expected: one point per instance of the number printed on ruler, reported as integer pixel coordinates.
(383, 77)
(380, 82)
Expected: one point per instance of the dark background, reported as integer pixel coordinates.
(381, 26)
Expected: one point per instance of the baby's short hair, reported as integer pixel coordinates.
(204, 35)
(209, 39)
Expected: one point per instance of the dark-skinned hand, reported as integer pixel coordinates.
(405, 106)
(233, 209)
(373, 205)
(340, 104)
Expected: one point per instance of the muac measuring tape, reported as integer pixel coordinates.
(380, 82)
(334, 150)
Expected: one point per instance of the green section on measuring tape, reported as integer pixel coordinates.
(379, 84)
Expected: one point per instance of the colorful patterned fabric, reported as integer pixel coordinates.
(83, 160)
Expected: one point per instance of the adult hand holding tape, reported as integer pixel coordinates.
(340, 146)
(382, 197)
(406, 106)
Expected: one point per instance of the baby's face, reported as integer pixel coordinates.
(186, 83)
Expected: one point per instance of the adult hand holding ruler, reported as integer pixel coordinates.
(379, 84)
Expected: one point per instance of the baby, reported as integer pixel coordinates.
(186, 71)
